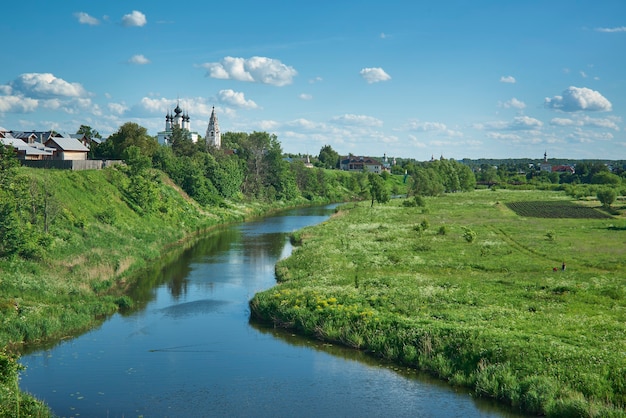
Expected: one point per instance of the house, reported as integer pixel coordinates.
(67, 148)
(23, 150)
(353, 163)
(563, 169)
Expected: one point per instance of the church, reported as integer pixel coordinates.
(181, 119)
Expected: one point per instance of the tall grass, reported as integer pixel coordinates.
(487, 313)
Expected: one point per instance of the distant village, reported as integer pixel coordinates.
(50, 149)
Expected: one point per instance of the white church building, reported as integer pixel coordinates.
(213, 136)
(181, 119)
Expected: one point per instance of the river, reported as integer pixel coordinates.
(189, 350)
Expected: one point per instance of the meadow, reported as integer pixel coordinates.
(470, 291)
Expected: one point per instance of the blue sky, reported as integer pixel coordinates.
(475, 79)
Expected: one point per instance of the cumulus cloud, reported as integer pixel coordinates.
(437, 128)
(374, 75)
(45, 85)
(513, 103)
(117, 108)
(85, 19)
(135, 18)
(17, 104)
(575, 99)
(138, 59)
(305, 96)
(236, 99)
(508, 79)
(315, 80)
(524, 123)
(519, 123)
(360, 120)
(612, 30)
(150, 106)
(256, 69)
(608, 123)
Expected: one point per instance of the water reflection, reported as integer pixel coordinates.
(190, 350)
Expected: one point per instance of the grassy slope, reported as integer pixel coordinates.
(491, 314)
(99, 244)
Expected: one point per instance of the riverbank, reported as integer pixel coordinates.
(98, 245)
(465, 289)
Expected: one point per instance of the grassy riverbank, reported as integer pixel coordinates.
(465, 288)
(96, 244)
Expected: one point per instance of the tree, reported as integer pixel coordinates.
(426, 182)
(182, 143)
(130, 134)
(328, 157)
(606, 196)
(88, 131)
(8, 165)
(378, 190)
(606, 177)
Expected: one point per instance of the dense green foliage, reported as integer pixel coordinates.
(466, 289)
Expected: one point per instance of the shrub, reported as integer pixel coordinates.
(469, 235)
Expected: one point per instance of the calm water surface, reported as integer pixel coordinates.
(190, 351)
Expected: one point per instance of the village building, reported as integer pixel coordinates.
(354, 163)
(213, 135)
(23, 150)
(67, 148)
(179, 119)
(546, 166)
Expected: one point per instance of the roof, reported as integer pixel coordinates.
(24, 147)
(69, 144)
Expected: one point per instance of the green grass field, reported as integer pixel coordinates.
(466, 289)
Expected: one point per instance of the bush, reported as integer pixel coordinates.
(469, 235)
(606, 196)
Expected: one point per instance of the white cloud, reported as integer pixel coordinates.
(612, 30)
(508, 79)
(608, 123)
(437, 128)
(45, 85)
(197, 107)
(579, 98)
(256, 69)
(237, 99)
(135, 18)
(524, 123)
(305, 96)
(583, 74)
(563, 122)
(374, 75)
(519, 123)
(513, 103)
(85, 19)
(138, 59)
(17, 104)
(268, 125)
(359, 120)
(315, 80)
(117, 108)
